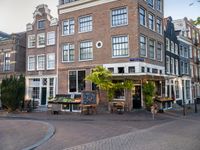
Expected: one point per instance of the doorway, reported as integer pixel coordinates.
(44, 96)
(136, 95)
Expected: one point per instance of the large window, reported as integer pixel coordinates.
(119, 93)
(51, 61)
(150, 3)
(68, 52)
(31, 63)
(151, 22)
(41, 40)
(142, 16)
(172, 46)
(151, 49)
(31, 41)
(143, 46)
(159, 25)
(159, 5)
(120, 46)
(86, 50)
(159, 51)
(181, 67)
(187, 89)
(40, 62)
(85, 24)
(172, 65)
(68, 27)
(7, 61)
(177, 67)
(167, 64)
(177, 89)
(51, 38)
(119, 17)
(76, 81)
(176, 49)
(41, 24)
(181, 51)
(167, 44)
(186, 52)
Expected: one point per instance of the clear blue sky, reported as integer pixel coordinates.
(15, 14)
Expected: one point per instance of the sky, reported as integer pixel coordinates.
(15, 14)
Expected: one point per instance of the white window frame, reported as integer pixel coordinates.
(159, 21)
(38, 24)
(177, 67)
(111, 17)
(153, 21)
(68, 51)
(172, 65)
(176, 49)
(146, 43)
(145, 17)
(168, 65)
(69, 25)
(33, 56)
(172, 46)
(88, 59)
(30, 42)
(7, 63)
(153, 49)
(167, 44)
(38, 62)
(48, 66)
(113, 56)
(38, 36)
(51, 39)
(79, 27)
(160, 50)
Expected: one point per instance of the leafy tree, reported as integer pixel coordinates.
(148, 91)
(197, 21)
(12, 92)
(103, 80)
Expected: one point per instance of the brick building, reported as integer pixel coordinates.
(12, 54)
(125, 36)
(41, 56)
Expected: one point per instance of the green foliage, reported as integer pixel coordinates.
(103, 79)
(197, 21)
(12, 92)
(149, 92)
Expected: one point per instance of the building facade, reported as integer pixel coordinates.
(41, 56)
(12, 54)
(188, 36)
(172, 88)
(126, 37)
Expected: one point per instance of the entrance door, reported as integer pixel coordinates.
(44, 96)
(137, 97)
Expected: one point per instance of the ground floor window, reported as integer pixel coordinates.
(119, 93)
(177, 89)
(76, 81)
(187, 89)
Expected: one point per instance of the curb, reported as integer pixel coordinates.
(51, 131)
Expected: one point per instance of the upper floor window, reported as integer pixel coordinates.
(86, 50)
(185, 52)
(67, 1)
(85, 24)
(142, 13)
(172, 46)
(51, 61)
(68, 52)
(6, 66)
(31, 41)
(181, 50)
(51, 38)
(119, 17)
(40, 62)
(41, 24)
(143, 46)
(167, 44)
(151, 49)
(159, 52)
(68, 26)
(172, 65)
(176, 49)
(159, 25)
(167, 64)
(151, 22)
(177, 67)
(41, 40)
(159, 5)
(150, 3)
(31, 63)
(120, 46)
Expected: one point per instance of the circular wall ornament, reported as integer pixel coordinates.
(99, 44)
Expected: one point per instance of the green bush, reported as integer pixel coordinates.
(12, 92)
(149, 92)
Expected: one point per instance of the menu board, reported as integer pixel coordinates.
(88, 97)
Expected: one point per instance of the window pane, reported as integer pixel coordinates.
(120, 46)
(86, 50)
(119, 17)
(85, 24)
